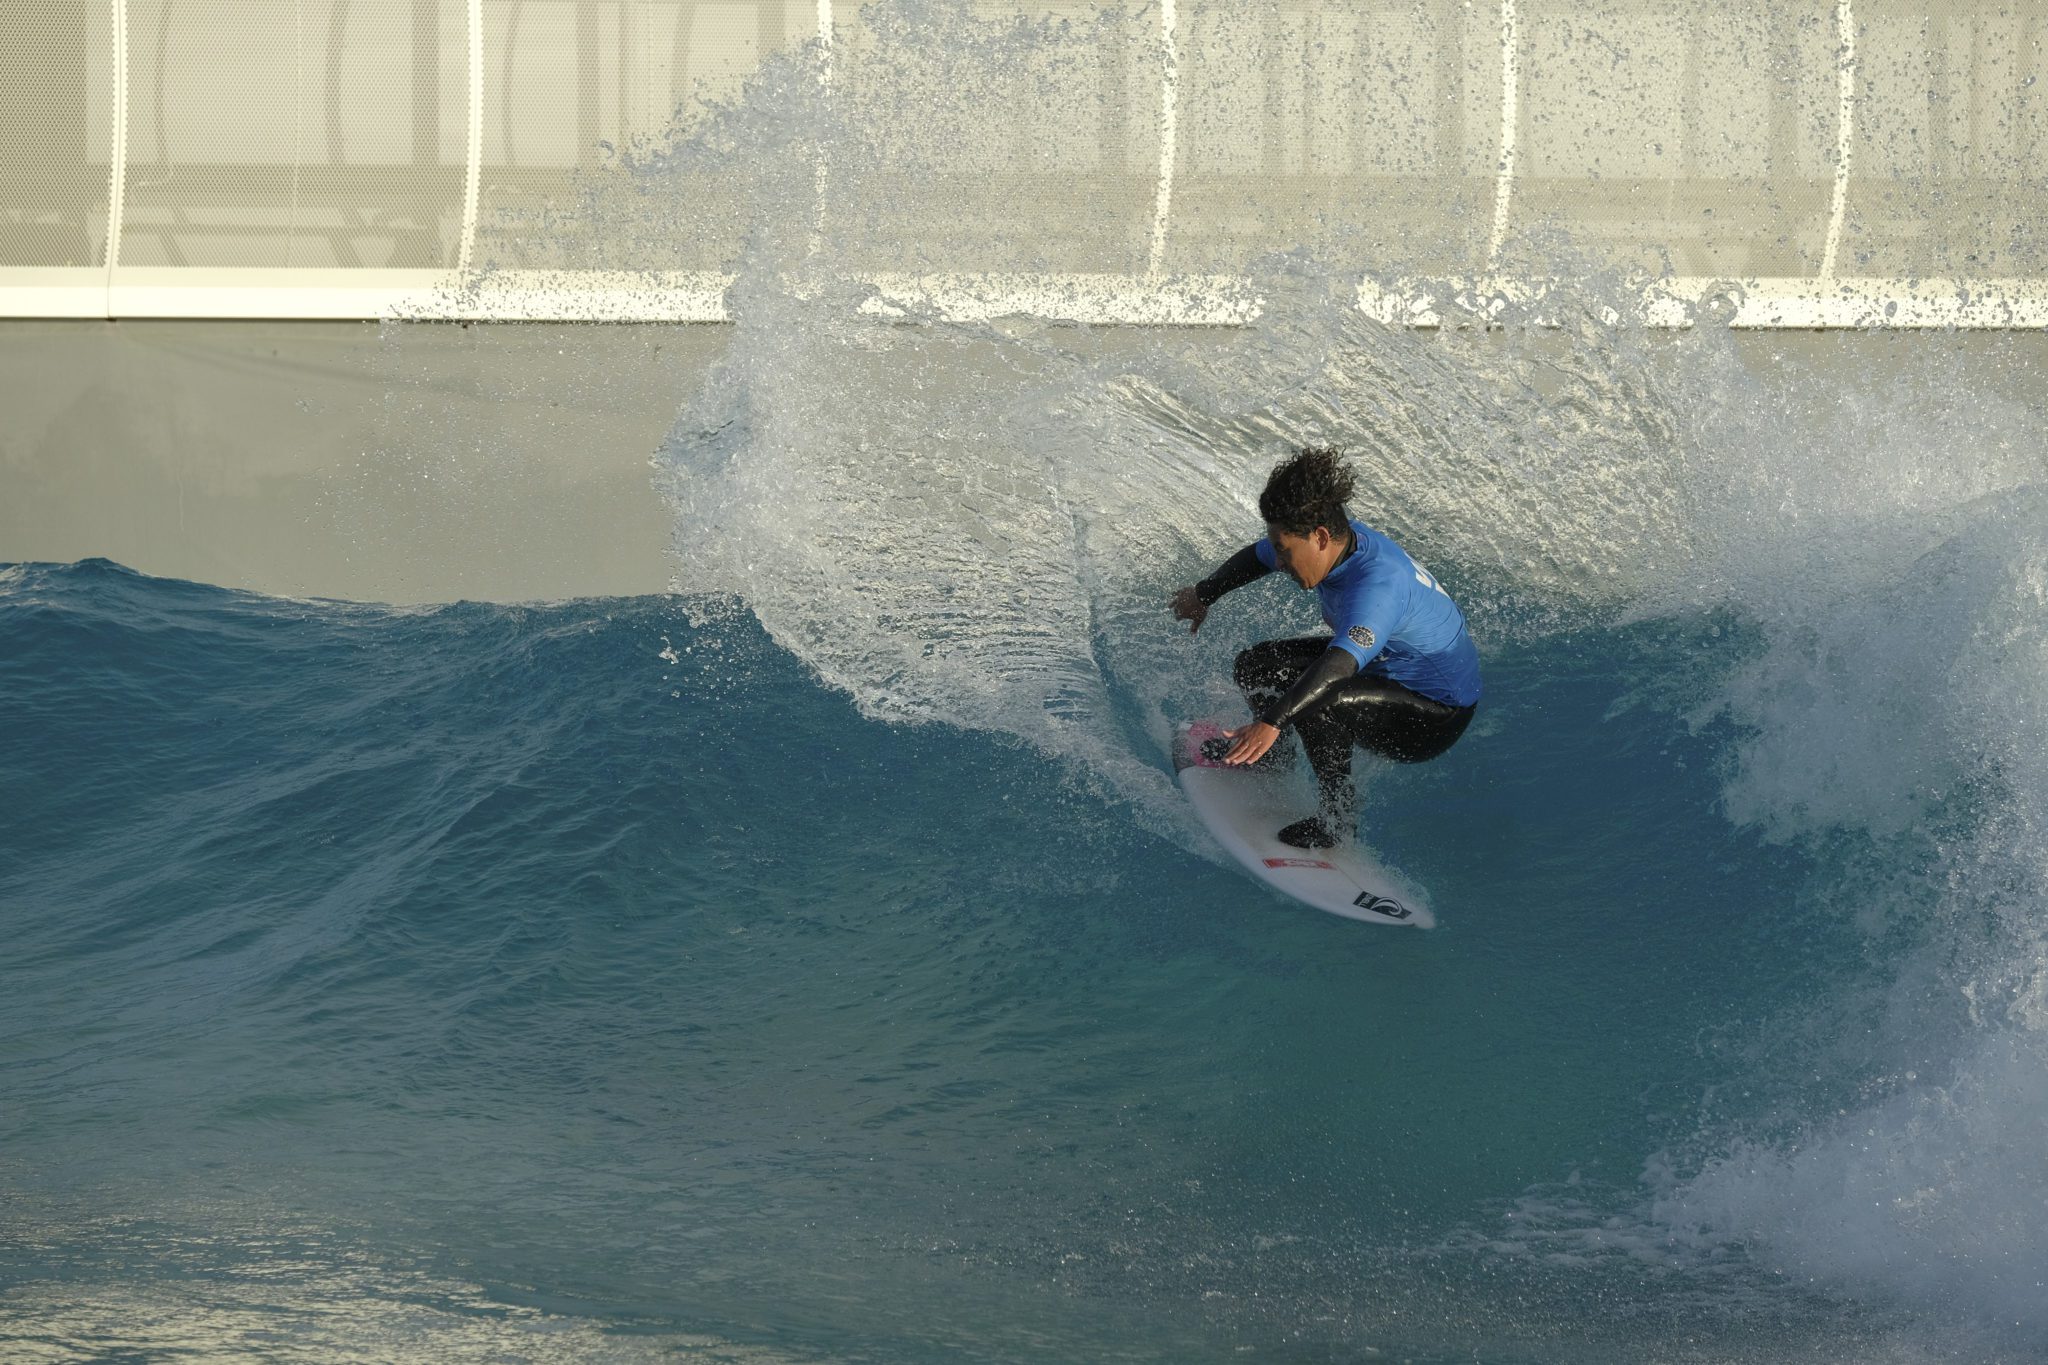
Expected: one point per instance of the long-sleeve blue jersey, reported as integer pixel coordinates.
(1389, 613)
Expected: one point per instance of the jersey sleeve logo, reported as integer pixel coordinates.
(1362, 637)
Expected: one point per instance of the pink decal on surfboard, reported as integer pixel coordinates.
(1199, 735)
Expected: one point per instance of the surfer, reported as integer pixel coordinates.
(1397, 676)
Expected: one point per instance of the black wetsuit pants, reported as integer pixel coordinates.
(1375, 713)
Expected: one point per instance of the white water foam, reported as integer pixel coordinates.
(1906, 715)
(1885, 542)
(981, 525)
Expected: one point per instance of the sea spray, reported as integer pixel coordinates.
(979, 524)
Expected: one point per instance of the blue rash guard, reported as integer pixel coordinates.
(1387, 612)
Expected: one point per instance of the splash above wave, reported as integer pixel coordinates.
(979, 525)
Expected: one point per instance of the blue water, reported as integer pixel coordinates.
(585, 980)
(818, 963)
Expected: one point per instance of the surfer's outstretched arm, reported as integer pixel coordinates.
(1241, 568)
(1332, 668)
(1192, 604)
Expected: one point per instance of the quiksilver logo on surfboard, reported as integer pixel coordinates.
(1381, 905)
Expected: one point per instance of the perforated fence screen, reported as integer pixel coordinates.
(340, 157)
(570, 88)
(217, 169)
(1697, 138)
(56, 115)
(1946, 173)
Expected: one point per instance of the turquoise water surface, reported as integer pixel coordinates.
(818, 962)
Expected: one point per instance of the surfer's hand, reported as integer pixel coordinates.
(1187, 606)
(1252, 741)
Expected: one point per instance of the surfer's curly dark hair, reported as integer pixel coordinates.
(1308, 490)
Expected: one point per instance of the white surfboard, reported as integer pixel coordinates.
(1246, 807)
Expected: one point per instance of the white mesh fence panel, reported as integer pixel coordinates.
(1863, 161)
(55, 125)
(999, 147)
(315, 134)
(1369, 128)
(1951, 111)
(571, 86)
(1693, 138)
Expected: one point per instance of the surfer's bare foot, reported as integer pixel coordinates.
(1309, 833)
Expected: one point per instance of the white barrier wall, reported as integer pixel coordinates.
(1816, 162)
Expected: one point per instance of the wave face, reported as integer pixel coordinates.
(1795, 605)
(818, 963)
(508, 979)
